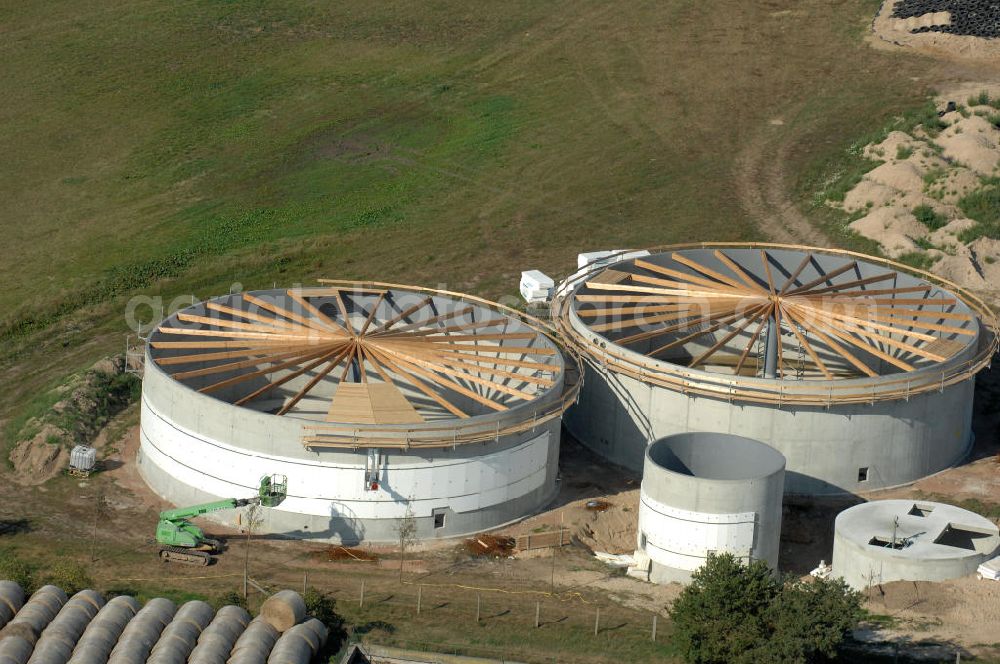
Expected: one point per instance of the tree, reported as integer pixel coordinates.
(406, 530)
(809, 620)
(252, 519)
(740, 613)
(720, 615)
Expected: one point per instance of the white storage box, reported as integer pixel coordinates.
(536, 286)
(82, 458)
(990, 570)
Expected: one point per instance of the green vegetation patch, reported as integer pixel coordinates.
(930, 218)
(983, 206)
(77, 408)
(918, 259)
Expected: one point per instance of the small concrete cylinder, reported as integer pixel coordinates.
(708, 493)
(907, 540)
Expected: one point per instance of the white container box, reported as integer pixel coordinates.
(536, 286)
(83, 458)
(990, 570)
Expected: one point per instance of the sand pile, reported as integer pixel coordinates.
(910, 203)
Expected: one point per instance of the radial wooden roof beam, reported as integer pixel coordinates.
(322, 318)
(767, 273)
(756, 311)
(677, 274)
(284, 379)
(314, 381)
(739, 272)
(795, 274)
(827, 276)
(707, 271)
(290, 315)
(840, 350)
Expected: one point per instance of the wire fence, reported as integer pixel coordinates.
(518, 616)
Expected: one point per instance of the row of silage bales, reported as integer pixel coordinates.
(255, 644)
(217, 640)
(11, 601)
(56, 643)
(142, 632)
(36, 614)
(18, 637)
(180, 637)
(51, 629)
(299, 644)
(103, 632)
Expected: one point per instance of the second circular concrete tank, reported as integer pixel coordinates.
(708, 493)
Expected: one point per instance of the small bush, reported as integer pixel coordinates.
(71, 576)
(933, 175)
(917, 259)
(926, 215)
(13, 568)
(232, 598)
(982, 99)
(904, 152)
(923, 243)
(323, 607)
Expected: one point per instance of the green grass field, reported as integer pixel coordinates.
(178, 148)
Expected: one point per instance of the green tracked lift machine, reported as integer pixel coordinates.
(182, 541)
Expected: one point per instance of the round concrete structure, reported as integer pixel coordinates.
(904, 540)
(708, 493)
(858, 370)
(439, 403)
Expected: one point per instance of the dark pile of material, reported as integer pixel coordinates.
(975, 18)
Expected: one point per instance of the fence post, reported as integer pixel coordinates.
(305, 578)
(478, 604)
(654, 626)
(597, 620)
(419, 594)
(538, 613)
(361, 603)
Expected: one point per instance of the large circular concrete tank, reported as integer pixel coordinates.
(906, 540)
(708, 493)
(373, 399)
(858, 370)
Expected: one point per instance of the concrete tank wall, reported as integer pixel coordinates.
(703, 493)
(195, 448)
(897, 441)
